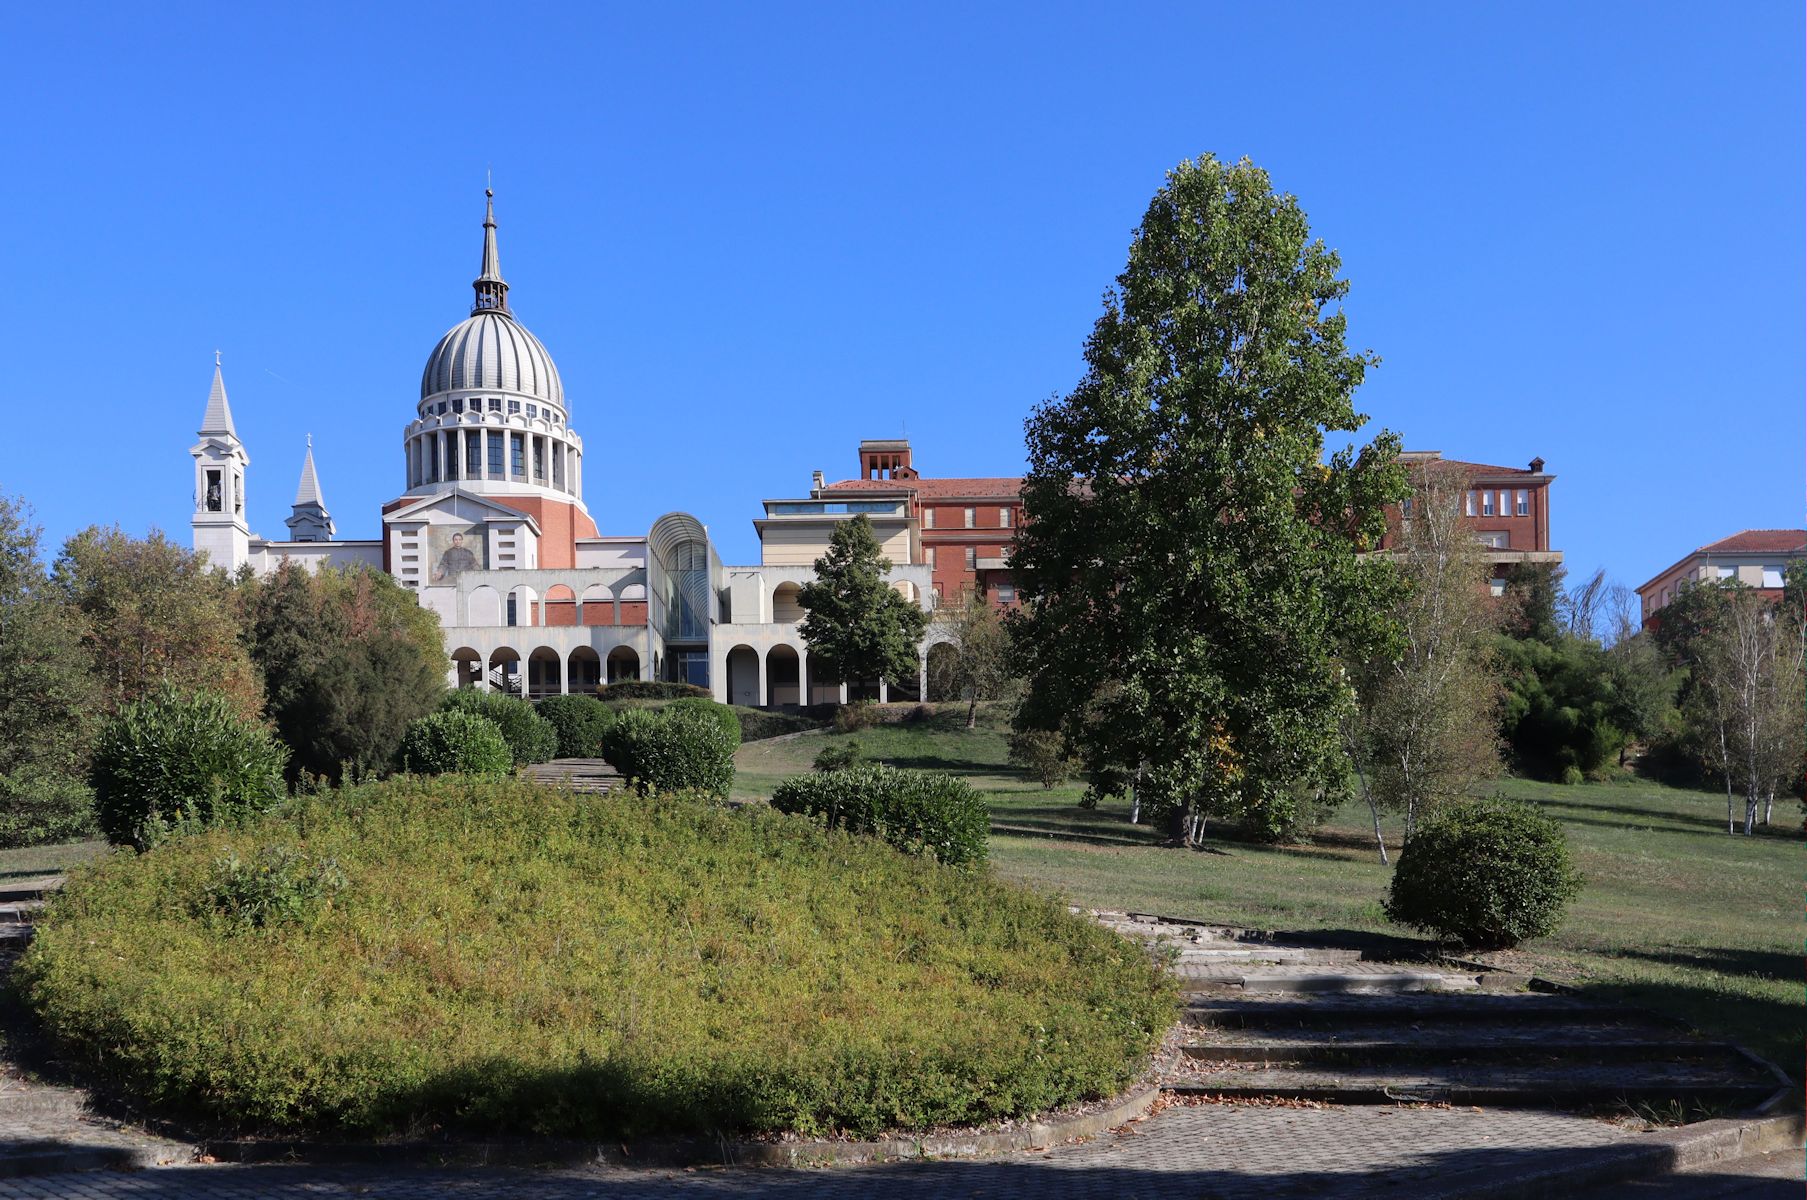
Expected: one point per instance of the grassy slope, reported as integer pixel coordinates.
(1676, 914)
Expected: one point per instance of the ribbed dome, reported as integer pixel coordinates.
(489, 352)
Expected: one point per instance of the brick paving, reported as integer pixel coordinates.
(1197, 1152)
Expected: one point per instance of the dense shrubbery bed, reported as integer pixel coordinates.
(512, 958)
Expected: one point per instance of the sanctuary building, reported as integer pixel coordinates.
(492, 533)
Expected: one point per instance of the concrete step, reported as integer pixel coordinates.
(1523, 1086)
(20, 912)
(1331, 1011)
(40, 888)
(1350, 980)
(1561, 1047)
(1235, 952)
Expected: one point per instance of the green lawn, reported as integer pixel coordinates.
(1676, 915)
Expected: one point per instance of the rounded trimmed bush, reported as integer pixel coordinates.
(510, 958)
(1487, 874)
(673, 749)
(579, 722)
(530, 739)
(455, 742)
(177, 761)
(721, 714)
(918, 812)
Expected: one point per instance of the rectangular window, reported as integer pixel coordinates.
(1505, 503)
(1728, 572)
(1405, 507)
(539, 460)
(972, 556)
(514, 407)
(1486, 504)
(533, 410)
(495, 455)
(1772, 575)
(931, 558)
(458, 405)
(517, 456)
(495, 405)
(1498, 540)
(1522, 505)
(558, 467)
(928, 518)
(1469, 507)
(1496, 586)
(1004, 517)
(970, 514)
(473, 456)
(1006, 593)
(213, 491)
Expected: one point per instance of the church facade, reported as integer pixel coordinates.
(491, 532)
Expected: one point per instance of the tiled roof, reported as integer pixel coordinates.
(1470, 468)
(1759, 541)
(936, 489)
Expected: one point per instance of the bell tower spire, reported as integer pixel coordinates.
(220, 462)
(492, 290)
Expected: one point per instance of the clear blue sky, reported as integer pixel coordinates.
(752, 234)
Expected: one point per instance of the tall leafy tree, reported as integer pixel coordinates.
(47, 695)
(977, 664)
(349, 658)
(1190, 548)
(1427, 729)
(858, 628)
(153, 614)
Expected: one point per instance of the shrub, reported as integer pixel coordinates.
(1572, 776)
(757, 724)
(278, 885)
(837, 756)
(1487, 874)
(920, 714)
(918, 812)
(178, 760)
(41, 807)
(530, 739)
(721, 714)
(851, 718)
(1042, 753)
(578, 966)
(635, 689)
(672, 749)
(578, 721)
(455, 742)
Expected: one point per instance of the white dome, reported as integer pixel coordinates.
(489, 352)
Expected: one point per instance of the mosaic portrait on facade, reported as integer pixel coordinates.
(453, 550)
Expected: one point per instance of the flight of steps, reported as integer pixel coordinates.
(589, 775)
(1271, 1020)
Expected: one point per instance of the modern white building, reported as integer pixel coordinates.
(492, 533)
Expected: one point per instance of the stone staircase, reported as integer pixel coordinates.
(1277, 1020)
(588, 775)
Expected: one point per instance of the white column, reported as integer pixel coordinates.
(843, 693)
(922, 677)
(803, 692)
(764, 700)
(884, 693)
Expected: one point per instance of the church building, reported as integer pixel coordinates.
(491, 531)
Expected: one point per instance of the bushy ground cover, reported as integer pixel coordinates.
(505, 957)
(1675, 915)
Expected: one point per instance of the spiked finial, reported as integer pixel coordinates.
(492, 290)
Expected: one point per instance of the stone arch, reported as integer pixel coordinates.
(743, 676)
(598, 606)
(483, 607)
(941, 656)
(560, 606)
(623, 663)
(632, 607)
(523, 608)
(467, 668)
(584, 671)
(505, 670)
(786, 608)
(907, 590)
(782, 679)
(545, 673)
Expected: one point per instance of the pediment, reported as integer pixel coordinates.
(458, 506)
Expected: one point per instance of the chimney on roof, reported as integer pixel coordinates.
(1537, 466)
(817, 481)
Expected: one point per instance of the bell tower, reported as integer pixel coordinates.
(220, 462)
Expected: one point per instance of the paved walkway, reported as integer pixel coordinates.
(1195, 1153)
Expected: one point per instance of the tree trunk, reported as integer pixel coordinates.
(1769, 807)
(1362, 777)
(972, 710)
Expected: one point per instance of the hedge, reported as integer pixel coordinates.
(919, 812)
(672, 749)
(579, 722)
(530, 739)
(634, 689)
(455, 742)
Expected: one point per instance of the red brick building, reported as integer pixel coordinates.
(1508, 508)
(1757, 558)
(966, 526)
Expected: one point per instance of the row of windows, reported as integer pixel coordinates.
(514, 408)
(972, 557)
(513, 451)
(1003, 593)
(931, 521)
(1511, 504)
(1772, 578)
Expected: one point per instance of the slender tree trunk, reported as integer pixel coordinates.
(972, 710)
(1769, 807)
(1725, 761)
(1362, 778)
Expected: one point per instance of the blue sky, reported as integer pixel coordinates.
(752, 234)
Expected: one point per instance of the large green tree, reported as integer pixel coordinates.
(348, 657)
(47, 696)
(1191, 549)
(858, 628)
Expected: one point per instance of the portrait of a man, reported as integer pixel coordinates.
(455, 552)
